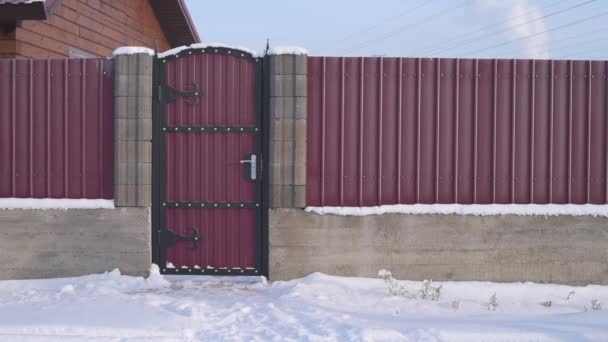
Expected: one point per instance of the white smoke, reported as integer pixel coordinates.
(519, 12)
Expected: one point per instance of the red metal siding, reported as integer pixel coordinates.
(205, 167)
(57, 128)
(404, 130)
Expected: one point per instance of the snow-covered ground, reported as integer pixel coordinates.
(113, 307)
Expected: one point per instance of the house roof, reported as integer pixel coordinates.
(176, 22)
(172, 15)
(14, 10)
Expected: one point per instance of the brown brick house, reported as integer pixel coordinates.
(91, 28)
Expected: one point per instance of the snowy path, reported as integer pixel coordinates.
(111, 307)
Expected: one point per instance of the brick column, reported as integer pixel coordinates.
(133, 130)
(288, 87)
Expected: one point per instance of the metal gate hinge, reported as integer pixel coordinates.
(174, 237)
(167, 93)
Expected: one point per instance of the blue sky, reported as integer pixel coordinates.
(575, 29)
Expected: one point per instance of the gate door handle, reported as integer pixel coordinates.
(253, 162)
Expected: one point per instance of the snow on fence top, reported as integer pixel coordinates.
(55, 203)
(469, 209)
(179, 49)
(130, 50)
(287, 50)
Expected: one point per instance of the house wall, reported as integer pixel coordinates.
(8, 46)
(94, 26)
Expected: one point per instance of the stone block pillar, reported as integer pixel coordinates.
(133, 130)
(288, 88)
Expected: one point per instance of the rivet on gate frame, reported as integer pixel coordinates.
(242, 55)
(216, 204)
(164, 203)
(202, 204)
(189, 204)
(228, 204)
(164, 128)
(256, 129)
(177, 204)
(242, 205)
(190, 52)
(177, 270)
(189, 128)
(202, 128)
(215, 50)
(229, 51)
(164, 270)
(215, 129)
(257, 204)
(215, 270)
(228, 129)
(203, 50)
(176, 128)
(241, 128)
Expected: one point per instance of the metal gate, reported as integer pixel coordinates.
(208, 208)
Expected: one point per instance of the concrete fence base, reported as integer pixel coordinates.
(565, 249)
(64, 243)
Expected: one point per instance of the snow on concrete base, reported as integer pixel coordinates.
(179, 49)
(130, 50)
(469, 209)
(114, 307)
(55, 203)
(287, 50)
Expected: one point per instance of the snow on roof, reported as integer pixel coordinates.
(130, 50)
(205, 45)
(287, 50)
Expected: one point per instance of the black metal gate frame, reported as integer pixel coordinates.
(160, 233)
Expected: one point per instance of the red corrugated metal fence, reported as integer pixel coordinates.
(57, 128)
(404, 130)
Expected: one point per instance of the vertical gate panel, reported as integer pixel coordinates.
(579, 143)
(598, 135)
(369, 175)
(484, 132)
(540, 151)
(21, 128)
(332, 124)
(206, 188)
(387, 150)
(38, 130)
(351, 128)
(314, 132)
(427, 139)
(465, 133)
(58, 132)
(505, 101)
(6, 127)
(560, 166)
(409, 132)
(522, 137)
(445, 129)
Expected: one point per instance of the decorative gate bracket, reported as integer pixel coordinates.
(174, 237)
(169, 93)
